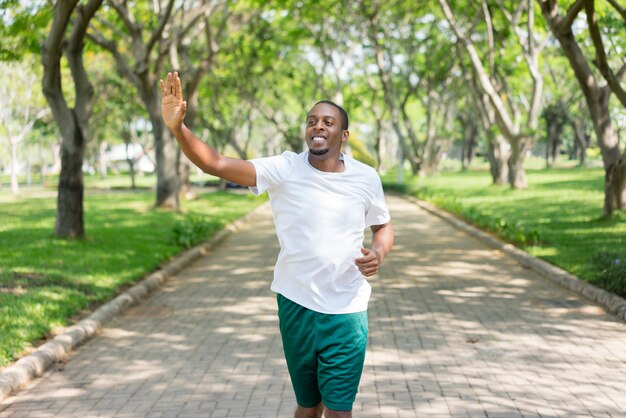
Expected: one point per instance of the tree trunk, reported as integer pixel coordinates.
(102, 149)
(469, 144)
(166, 165)
(42, 162)
(72, 122)
(498, 159)
(615, 187)
(553, 138)
(69, 220)
(582, 143)
(184, 174)
(597, 98)
(614, 163)
(517, 174)
(130, 159)
(429, 146)
(15, 188)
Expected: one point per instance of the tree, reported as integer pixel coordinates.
(136, 36)
(66, 37)
(20, 108)
(117, 116)
(596, 95)
(502, 97)
(374, 29)
(24, 24)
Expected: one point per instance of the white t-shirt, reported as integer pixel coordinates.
(320, 219)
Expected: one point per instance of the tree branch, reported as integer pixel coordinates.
(601, 60)
(51, 52)
(125, 15)
(156, 35)
(111, 46)
(621, 73)
(109, 26)
(566, 24)
(490, 40)
(621, 10)
(506, 124)
(84, 89)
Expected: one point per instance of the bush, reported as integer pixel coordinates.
(610, 271)
(193, 229)
(513, 231)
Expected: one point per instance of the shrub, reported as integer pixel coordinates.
(193, 229)
(610, 271)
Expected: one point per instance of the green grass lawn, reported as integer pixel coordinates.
(558, 218)
(46, 282)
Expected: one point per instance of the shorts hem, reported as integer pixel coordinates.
(338, 406)
(307, 405)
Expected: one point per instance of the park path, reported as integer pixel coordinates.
(456, 330)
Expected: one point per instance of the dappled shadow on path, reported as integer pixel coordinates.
(456, 329)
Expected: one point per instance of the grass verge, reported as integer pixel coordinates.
(45, 281)
(557, 218)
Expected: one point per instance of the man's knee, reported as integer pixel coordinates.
(314, 412)
(331, 413)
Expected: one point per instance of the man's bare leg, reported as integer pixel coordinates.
(315, 412)
(331, 413)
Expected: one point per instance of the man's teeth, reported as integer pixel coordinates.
(318, 139)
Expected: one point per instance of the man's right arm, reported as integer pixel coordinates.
(210, 161)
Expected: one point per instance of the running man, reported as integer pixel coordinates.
(321, 203)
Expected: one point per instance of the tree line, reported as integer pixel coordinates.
(415, 77)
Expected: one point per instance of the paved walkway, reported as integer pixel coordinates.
(457, 329)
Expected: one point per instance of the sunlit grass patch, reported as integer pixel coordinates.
(557, 218)
(45, 281)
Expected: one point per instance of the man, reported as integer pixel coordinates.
(321, 202)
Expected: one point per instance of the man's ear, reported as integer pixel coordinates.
(345, 135)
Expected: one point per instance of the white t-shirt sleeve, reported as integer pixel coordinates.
(272, 171)
(377, 213)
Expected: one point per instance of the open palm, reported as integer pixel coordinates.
(172, 105)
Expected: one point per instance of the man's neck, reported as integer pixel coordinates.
(330, 164)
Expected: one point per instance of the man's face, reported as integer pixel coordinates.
(323, 133)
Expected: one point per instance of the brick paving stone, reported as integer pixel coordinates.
(457, 329)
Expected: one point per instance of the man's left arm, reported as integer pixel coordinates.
(372, 259)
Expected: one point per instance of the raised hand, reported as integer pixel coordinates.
(173, 107)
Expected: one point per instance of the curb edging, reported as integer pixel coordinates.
(26, 369)
(612, 303)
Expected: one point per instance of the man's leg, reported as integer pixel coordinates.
(341, 342)
(297, 329)
(315, 412)
(331, 413)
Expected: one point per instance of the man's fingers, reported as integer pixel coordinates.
(368, 271)
(367, 263)
(177, 86)
(368, 259)
(163, 93)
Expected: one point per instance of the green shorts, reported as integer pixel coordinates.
(324, 352)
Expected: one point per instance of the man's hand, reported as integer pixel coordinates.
(173, 107)
(370, 262)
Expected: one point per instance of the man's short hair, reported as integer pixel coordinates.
(342, 112)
